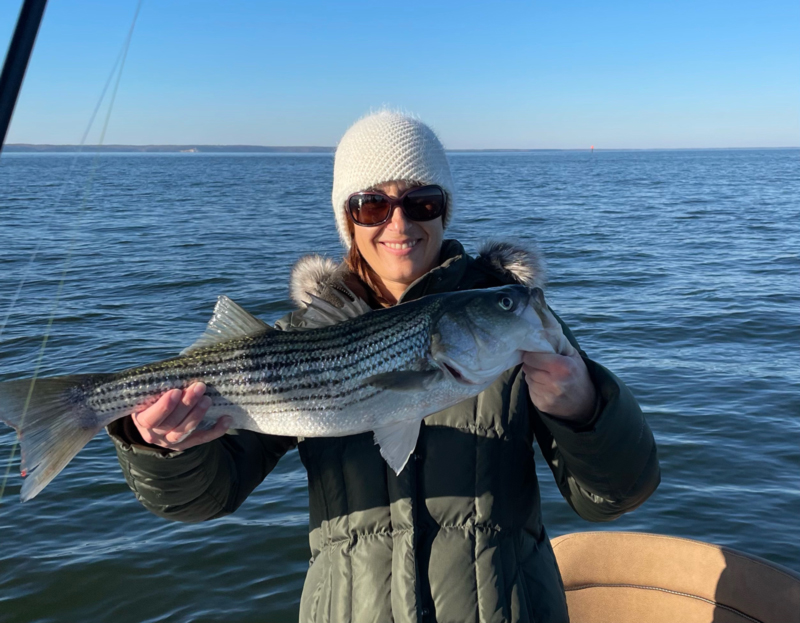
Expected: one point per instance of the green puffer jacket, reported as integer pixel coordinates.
(457, 536)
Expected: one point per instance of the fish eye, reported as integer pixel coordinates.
(506, 303)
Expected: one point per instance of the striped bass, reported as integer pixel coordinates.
(359, 370)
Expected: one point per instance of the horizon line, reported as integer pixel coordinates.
(234, 148)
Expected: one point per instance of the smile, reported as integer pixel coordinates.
(399, 246)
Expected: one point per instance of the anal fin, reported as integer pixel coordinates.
(397, 442)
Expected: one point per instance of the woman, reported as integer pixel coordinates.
(457, 535)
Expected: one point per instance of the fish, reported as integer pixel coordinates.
(352, 370)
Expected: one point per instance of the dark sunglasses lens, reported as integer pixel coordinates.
(368, 209)
(424, 204)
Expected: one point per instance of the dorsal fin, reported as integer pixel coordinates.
(228, 321)
(321, 313)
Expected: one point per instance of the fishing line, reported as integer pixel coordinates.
(81, 212)
(67, 177)
(57, 203)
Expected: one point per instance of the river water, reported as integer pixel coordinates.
(678, 270)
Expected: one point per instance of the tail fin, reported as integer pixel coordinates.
(52, 425)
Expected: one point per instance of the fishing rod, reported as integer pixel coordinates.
(19, 53)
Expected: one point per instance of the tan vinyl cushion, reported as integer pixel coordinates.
(628, 577)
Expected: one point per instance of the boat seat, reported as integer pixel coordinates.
(632, 577)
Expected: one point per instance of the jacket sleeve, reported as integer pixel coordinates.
(608, 466)
(204, 482)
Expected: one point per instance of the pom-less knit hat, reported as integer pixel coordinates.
(386, 147)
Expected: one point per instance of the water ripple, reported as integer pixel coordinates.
(677, 270)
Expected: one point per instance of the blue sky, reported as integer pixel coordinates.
(614, 74)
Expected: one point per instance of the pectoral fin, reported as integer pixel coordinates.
(406, 381)
(397, 442)
(208, 425)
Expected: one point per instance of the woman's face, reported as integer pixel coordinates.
(401, 250)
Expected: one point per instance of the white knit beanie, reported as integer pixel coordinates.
(385, 147)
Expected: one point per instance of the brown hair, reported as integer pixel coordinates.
(357, 265)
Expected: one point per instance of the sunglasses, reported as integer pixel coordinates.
(373, 208)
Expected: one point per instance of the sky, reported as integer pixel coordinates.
(484, 75)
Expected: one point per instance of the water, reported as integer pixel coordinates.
(678, 270)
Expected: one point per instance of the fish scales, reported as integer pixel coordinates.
(284, 349)
(278, 374)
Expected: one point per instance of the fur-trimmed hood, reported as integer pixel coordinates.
(313, 273)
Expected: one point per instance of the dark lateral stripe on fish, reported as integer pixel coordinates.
(152, 376)
(335, 337)
(350, 341)
(273, 394)
(279, 380)
(256, 350)
(257, 389)
(111, 397)
(301, 356)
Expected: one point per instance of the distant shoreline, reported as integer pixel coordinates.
(260, 149)
(257, 149)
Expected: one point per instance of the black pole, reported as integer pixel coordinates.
(19, 52)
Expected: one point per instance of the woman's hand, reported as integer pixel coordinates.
(172, 420)
(560, 385)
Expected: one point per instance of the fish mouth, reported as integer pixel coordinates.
(475, 378)
(458, 374)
